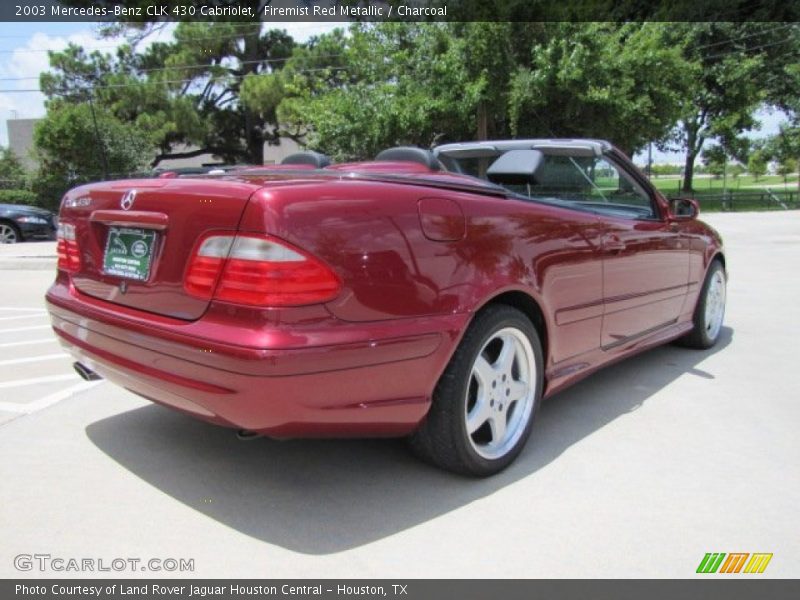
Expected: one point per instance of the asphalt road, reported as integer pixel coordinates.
(637, 471)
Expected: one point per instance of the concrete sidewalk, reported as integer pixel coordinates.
(28, 255)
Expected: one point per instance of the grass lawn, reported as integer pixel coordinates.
(670, 184)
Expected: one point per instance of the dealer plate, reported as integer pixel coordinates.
(129, 252)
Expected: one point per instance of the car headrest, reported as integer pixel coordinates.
(411, 154)
(315, 159)
(515, 167)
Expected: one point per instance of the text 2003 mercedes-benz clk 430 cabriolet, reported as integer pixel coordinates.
(436, 295)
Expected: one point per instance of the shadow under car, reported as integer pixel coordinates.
(326, 496)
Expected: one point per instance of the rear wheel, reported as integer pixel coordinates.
(710, 310)
(9, 234)
(484, 403)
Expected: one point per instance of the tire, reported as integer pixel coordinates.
(9, 234)
(485, 402)
(710, 310)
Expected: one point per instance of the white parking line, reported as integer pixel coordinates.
(31, 359)
(27, 343)
(21, 308)
(25, 328)
(47, 400)
(33, 381)
(18, 317)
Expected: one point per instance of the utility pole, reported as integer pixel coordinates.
(99, 140)
(650, 160)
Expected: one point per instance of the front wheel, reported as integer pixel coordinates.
(710, 310)
(484, 403)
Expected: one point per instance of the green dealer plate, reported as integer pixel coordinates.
(129, 252)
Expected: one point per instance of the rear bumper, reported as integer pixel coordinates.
(316, 376)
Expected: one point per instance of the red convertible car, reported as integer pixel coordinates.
(435, 295)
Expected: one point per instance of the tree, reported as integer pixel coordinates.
(785, 148)
(426, 83)
(757, 164)
(14, 184)
(184, 92)
(12, 173)
(786, 166)
(381, 85)
(732, 69)
(603, 80)
(70, 152)
(715, 159)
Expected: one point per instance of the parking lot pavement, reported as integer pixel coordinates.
(34, 372)
(28, 256)
(637, 471)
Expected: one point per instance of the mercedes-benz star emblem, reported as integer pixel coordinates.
(127, 199)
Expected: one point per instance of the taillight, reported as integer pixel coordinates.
(206, 265)
(69, 258)
(258, 270)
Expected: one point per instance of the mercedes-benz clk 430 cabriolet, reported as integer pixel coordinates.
(435, 295)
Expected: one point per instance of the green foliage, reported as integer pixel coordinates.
(180, 93)
(617, 82)
(354, 95)
(787, 166)
(733, 68)
(12, 173)
(715, 159)
(70, 152)
(227, 88)
(736, 169)
(785, 148)
(18, 197)
(427, 83)
(264, 92)
(757, 164)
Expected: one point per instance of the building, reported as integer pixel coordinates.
(20, 141)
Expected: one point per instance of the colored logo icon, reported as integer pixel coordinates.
(734, 562)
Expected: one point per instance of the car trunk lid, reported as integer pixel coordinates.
(135, 237)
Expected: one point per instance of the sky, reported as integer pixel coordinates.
(23, 55)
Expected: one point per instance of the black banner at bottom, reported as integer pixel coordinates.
(409, 589)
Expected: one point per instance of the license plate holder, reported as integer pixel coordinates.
(129, 252)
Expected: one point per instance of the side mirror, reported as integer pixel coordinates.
(683, 209)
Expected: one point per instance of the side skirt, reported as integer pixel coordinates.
(561, 376)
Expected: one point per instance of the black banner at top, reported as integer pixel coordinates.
(399, 10)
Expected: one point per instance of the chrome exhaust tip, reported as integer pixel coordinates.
(85, 372)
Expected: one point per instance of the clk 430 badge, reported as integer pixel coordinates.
(77, 202)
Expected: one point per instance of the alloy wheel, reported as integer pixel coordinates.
(715, 304)
(8, 235)
(500, 393)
